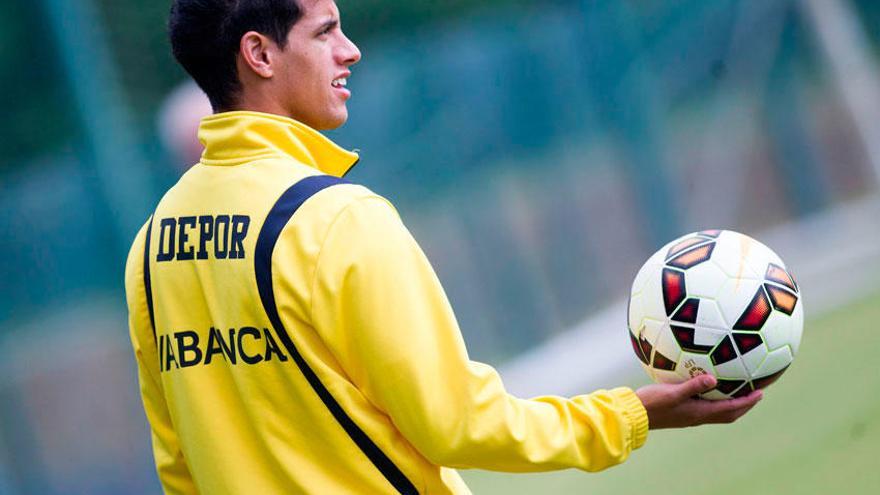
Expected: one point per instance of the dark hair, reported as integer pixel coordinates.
(205, 37)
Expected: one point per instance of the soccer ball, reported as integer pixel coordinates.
(716, 302)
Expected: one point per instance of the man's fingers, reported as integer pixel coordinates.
(727, 411)
(696, 385)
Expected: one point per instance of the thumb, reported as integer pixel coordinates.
(697, 385)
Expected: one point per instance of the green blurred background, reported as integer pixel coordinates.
(539, 151)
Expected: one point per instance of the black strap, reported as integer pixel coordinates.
(276, 220)
(148, 288)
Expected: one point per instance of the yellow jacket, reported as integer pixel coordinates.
(291, 337)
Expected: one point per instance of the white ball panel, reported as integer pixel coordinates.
(760, 256)
(754, 358)
(730, 254)
(636, 314)
(708, 336)
(652, 266)
(735, 296)
(652, 296)
(777, 330)
(797, 327)
(776, 360)
(709, 315)
(667, 345)
(651, 331)
(732, 370)
(704, 280)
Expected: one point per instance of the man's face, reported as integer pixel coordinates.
(311, 78)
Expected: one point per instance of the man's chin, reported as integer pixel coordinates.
(334, 122)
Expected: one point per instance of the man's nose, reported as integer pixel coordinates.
(348, 53)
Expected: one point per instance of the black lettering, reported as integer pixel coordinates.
(169, 355)
(272, 347)
(183, 348)
(206, 232)
(221, 241)
(240, 225)
(244, 356)
(167, 224)
(216, 345)
(183, 223)
(161, 349)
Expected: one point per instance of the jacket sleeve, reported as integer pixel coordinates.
(379, 305)
(170, 464)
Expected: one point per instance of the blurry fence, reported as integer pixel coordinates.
(539, 156)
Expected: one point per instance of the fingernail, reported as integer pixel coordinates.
(708, 381)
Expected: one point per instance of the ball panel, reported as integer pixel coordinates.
(704, 281)
(747, 341)
(737, 294)
(652, 295)
(797, 328)
(651, 330)
(730, 256)
(756, 313)
(776, 361)
(674, 289)
(637, 349)
(723, 352)
(635, 313)
(753, 359)
(744, 390)
(777, 330)
(687, 312)
(709, 315)
(649, 270)
(728, 387)
(708, 336)
(781, 299)
(662, 362)
(679, 247)
(686, 339)
(768, 380)
(776, 273)
(760, 257)
(667, 345)
(732, 370)
(693, 257)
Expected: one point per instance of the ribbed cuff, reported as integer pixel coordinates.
(636, 414)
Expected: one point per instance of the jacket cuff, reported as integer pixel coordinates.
(635, 413)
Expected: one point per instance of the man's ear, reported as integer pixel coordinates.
(256, 50)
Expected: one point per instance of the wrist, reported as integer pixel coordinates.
(636, 415)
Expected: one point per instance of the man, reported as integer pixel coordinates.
(290, 335)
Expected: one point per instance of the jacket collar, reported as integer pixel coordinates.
(235, 138)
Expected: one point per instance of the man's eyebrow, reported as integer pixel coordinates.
(329, 23)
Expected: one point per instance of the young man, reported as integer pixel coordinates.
(290, 335)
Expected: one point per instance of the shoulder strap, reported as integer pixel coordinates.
(278, 217)
(147, 285)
